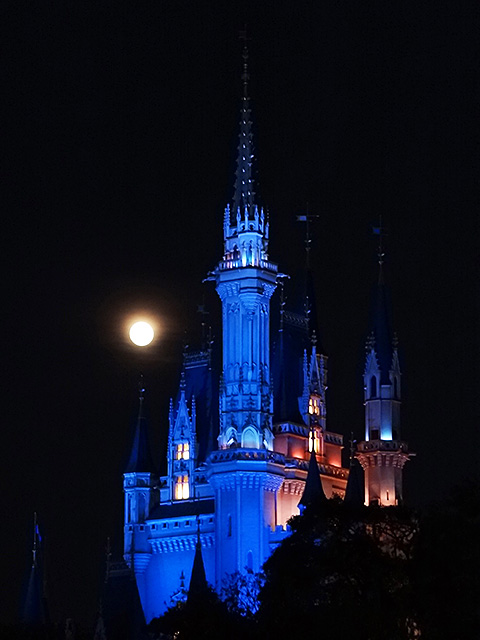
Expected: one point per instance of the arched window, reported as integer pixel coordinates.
(373, 387)
(182, 487)
(250, 438)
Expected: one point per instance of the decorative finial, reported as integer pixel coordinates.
(314, 338)
(245, 75)
(243, 199)
(108, 558)
(380, 232)
(141, 387)
(352, 448)
(281, 277)
(35, 535)
(183, 383)
(370, 342)
(308, 218)
(204, 313)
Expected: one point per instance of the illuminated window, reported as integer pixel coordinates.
(314, 442)
(182, 451)
(314, 406)
(182, 487)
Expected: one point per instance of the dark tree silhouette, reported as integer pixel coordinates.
(342, 571)
(447, 567)
(207, 618)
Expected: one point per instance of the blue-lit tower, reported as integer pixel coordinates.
(382, 454)
(140, 482)
(244, 472)
(313, 401)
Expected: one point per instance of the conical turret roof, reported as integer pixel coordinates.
(140, 460)
(381, 328)
(198, 582)
(313, 493)
(355, 491)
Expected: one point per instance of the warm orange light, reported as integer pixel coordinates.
(183, 451)
(182, 488)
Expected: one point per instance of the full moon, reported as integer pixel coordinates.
(141, 334)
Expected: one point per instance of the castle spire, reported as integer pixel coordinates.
(243, 198)
(381, 338)
(380, 232)
(198, 587)
(140, 456)
(313, 493)
(382, 454)
(34, 611)
(245, 225)
(139, 486)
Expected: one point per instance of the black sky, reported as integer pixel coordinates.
(119, 122)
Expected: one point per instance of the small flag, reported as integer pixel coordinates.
(377, 231)
(301, 218)
(37, 532)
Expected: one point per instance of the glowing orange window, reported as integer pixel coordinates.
(182, 451)
(182, 487)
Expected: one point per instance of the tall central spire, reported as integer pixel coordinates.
(245, 229)
(246, 280)
(243, 197)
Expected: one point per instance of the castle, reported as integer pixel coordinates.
(240, 445)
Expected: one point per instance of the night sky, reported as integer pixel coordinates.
(119, 128)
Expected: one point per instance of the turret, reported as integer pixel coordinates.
(382, 454)
(313, 405)
(198, 589)
(140, 488)
(245, 282)
(182, 446)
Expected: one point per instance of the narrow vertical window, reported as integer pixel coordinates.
(182, 488)
(373, 387)
(314, 406)
(141, 507)
(182, 451)
(229, 526)
(314, 442)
